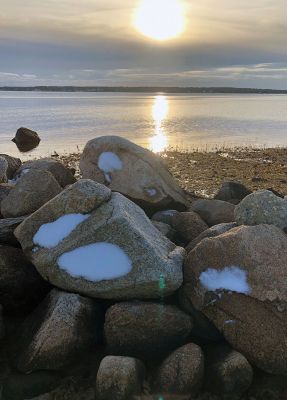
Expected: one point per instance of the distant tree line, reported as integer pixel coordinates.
(141, 89)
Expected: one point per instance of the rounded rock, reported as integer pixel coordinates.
(181, 372)
(119, 378)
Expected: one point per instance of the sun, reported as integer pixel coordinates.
(160, 19)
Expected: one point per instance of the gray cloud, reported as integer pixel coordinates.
(227, 42)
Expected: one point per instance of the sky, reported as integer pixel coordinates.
(238, 43)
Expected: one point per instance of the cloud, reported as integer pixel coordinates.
(236, 42)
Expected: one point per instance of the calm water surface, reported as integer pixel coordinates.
(66, 121)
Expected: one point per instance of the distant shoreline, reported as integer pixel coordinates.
(141, 89)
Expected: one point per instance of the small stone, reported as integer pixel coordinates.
(13, 165)
(181, 372)
(188, 225)
(164, 216)
(31, 191)
(228, 373)
(262, 207)
(232, 192)
(215, 230)
(25, 136)
(165, 229)
(214, 212)
(62, 174)
(3, 170)
(119, 378)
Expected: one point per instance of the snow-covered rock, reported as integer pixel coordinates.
(31, 191)
(262, 207)
(239, 281)
(62, 326)
(133, 171)
(119, 378)
(90, 241)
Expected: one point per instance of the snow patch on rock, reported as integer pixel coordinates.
(109, 162)
(15, 180)
(230, 278)
(151, 192)
(51, 234)
(96, 262)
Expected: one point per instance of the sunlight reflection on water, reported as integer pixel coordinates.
(159, 141)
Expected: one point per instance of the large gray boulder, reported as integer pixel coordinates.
(21, 286)
(3, 170)
(62, 174)
(90, 241)
(61, 327)
(262, 207)
(31, 191)
(239, 281)
(181, 372)
(119, 378)
(145, 330)
(133, 171)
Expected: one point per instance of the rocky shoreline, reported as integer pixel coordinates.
(202, 173)
(122, 281)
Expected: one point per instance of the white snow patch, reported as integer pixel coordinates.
(96, 262)
(230, 278)
(24, 171)
(229, 321)
(169, 213)
(109, 162)
(51, 234)
(151, 192)
(15, 180)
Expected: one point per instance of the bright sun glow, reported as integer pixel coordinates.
(160, 19)
(158, 142)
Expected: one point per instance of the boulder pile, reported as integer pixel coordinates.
(117, 287)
